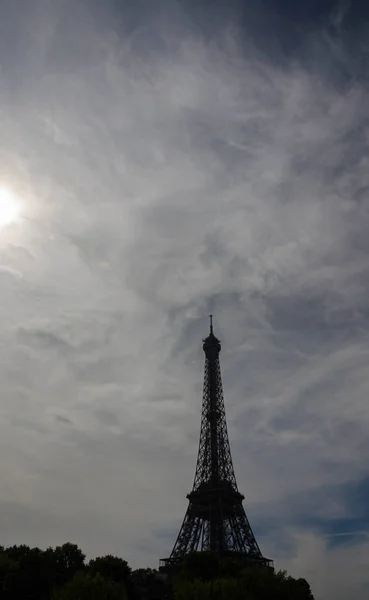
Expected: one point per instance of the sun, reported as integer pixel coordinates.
(9, 207)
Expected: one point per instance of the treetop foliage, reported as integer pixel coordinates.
(62, 573)
(207, 577)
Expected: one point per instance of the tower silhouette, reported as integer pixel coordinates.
(215, 519)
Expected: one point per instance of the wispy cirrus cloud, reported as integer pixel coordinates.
(162, 178)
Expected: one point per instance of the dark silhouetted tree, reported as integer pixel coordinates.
(87, 587)
(205, 577)
(8, 573)
(201, 565)
(32, 578)
(111, 567)
(114, 569)
(66, 561)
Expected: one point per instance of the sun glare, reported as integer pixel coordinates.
(9, 207)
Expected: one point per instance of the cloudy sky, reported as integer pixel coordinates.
(169, 160)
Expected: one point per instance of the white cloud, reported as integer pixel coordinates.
(157, 186)
(337, 572)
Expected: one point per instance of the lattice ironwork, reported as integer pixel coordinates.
(215, 519)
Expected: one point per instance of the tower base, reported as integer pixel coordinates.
(248, 561)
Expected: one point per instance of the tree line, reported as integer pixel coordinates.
(62, 573)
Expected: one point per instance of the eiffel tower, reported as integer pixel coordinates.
(215, 520)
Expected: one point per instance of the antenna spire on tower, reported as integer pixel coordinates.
(211, 323)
